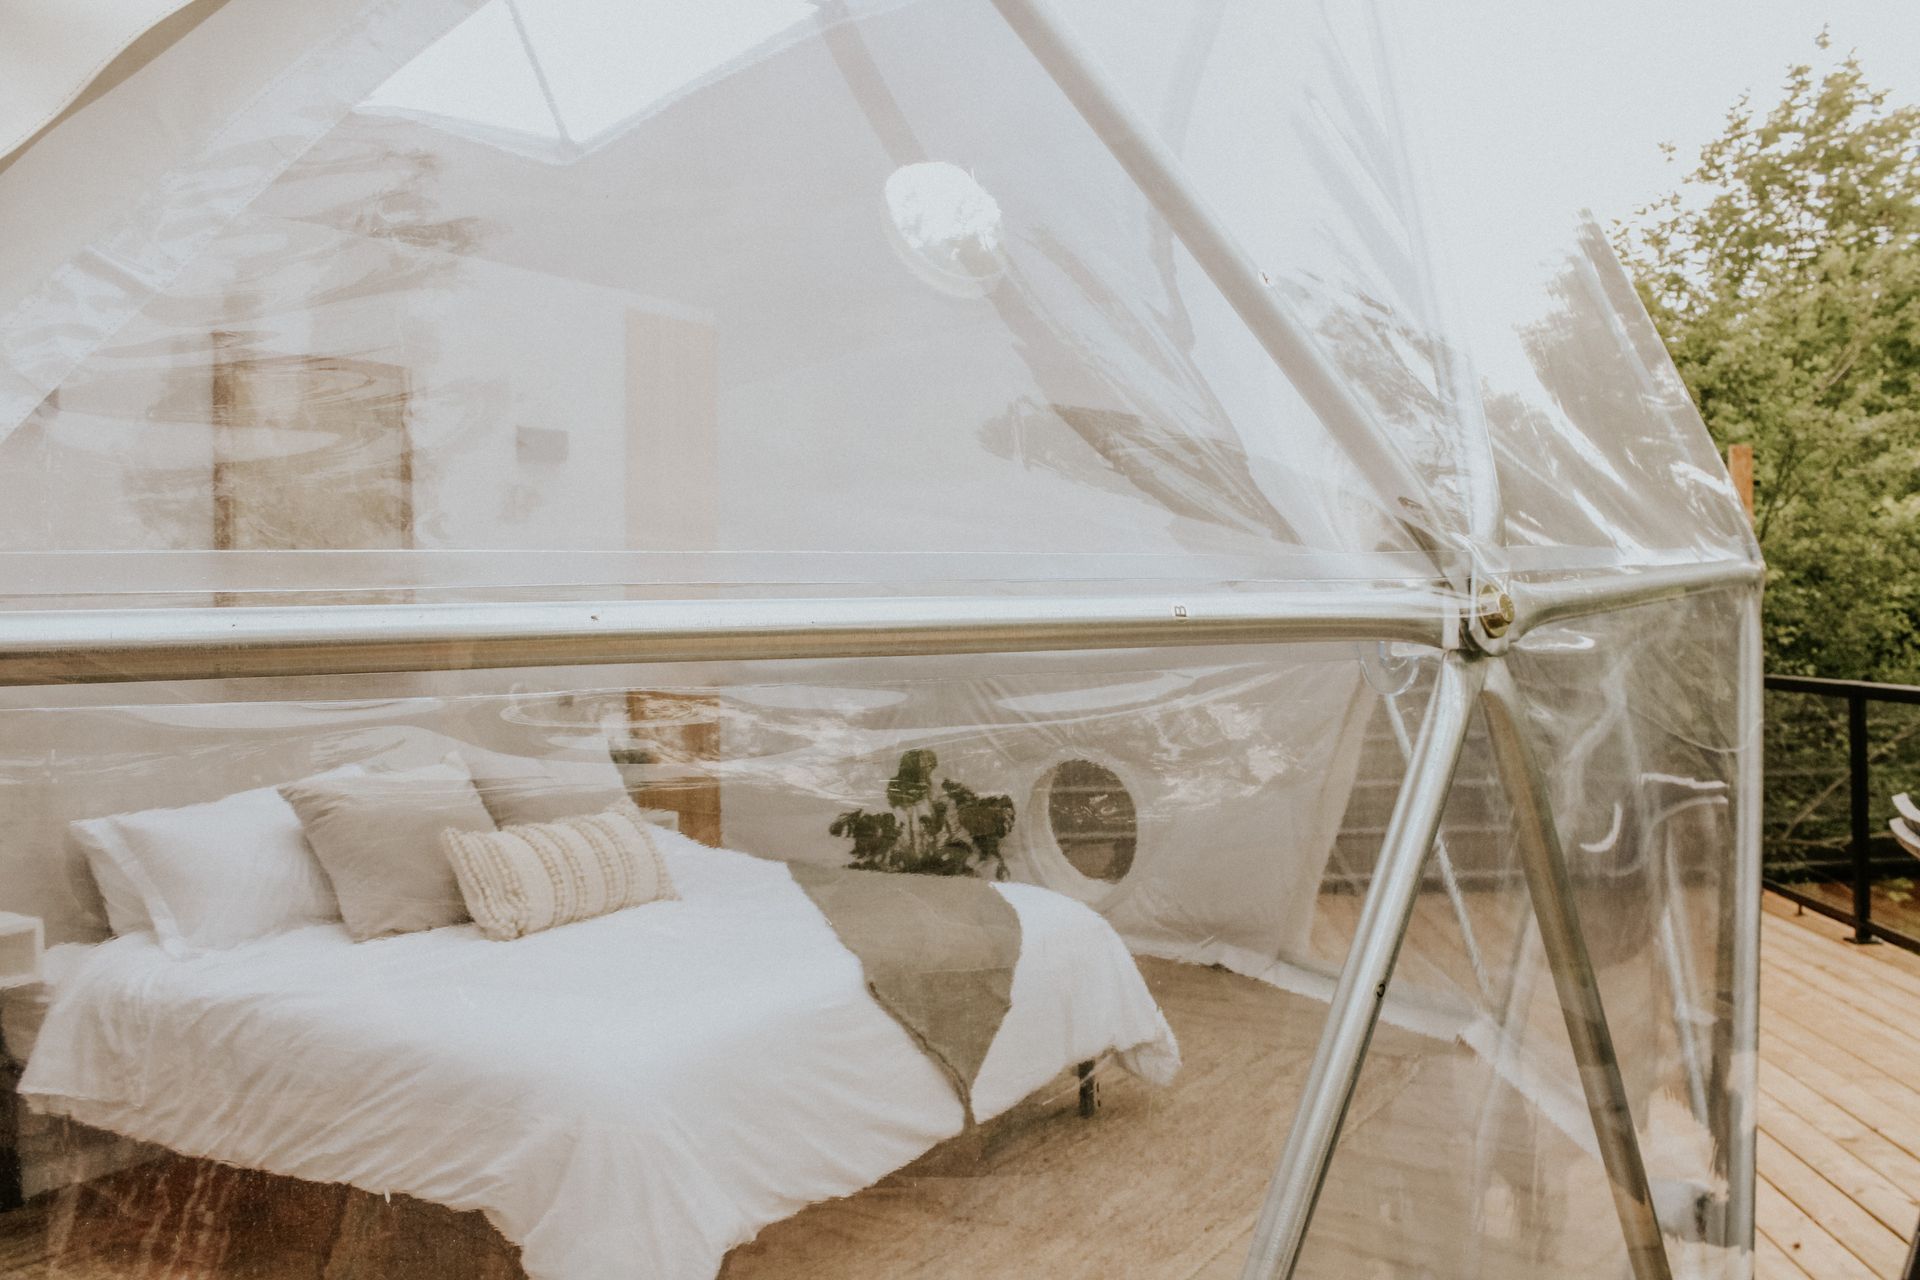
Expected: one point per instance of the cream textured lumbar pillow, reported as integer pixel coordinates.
(520, 880)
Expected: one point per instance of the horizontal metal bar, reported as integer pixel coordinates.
(1891, 863)
(84, 646)
(1539, 604)
(122, 575)
(1906, 694)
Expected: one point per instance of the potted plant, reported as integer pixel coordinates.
(929, 828)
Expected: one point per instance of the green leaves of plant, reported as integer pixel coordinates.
(954, 832)
(914, 782)
(1784, 275)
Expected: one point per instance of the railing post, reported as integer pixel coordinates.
(1862, 822)
(1859, 696)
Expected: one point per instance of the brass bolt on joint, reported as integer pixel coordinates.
(1493, 617)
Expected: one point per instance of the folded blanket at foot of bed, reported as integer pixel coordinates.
(938, 953)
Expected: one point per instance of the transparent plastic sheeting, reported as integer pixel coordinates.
(816, 292)
(409, 303)
(437, 1103)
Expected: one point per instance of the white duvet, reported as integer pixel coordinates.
(626, 1097)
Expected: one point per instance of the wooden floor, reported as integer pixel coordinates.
(1839, 1192)
(1164, 1184)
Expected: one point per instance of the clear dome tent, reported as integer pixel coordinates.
(787, 638)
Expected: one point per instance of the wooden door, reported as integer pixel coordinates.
(675, 741)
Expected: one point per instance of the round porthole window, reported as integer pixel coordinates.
(1093, 825)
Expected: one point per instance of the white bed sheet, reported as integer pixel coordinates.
(626, 1097)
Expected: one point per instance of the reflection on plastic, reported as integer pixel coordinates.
(946, 227)
(845, 300)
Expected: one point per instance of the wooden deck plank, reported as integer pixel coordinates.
(1864, 1003)
(1883, 1104)
(1819, 1008)
(1857, 1136)
(1771, 1262)
(1905, 962)
(1803, 1239)
(1839, 1110)
(1869, 1240)
(1815, 1140)
(1877, 966)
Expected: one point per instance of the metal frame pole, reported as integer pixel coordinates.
(96, 646)
(1739, 1011)
(1542, 604)
(1161, 178)
(1443, 859)
(1551, 891)
(1355, 1007)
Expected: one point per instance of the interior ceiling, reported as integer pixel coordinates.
(757, 199)
(721, 206)
(549, 86)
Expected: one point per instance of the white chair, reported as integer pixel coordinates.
(1906, 827)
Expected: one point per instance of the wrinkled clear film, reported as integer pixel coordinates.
(1190, 843)
(729, 1044)
(1475, 1143)
(796, 280)
(776, 279)
(453, 304)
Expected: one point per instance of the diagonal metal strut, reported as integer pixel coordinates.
(1551, 890)
(1281, 1231)
(1288, 339)
(1355, 1008)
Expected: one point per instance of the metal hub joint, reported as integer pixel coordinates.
(1492, 618)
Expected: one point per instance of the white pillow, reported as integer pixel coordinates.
(376, 834)
(521, 790)
(99, 840)
(209, 876)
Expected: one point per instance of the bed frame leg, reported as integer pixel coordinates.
(1089, 1089)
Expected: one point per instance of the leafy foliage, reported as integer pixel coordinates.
(1784, 274)
(929, 828)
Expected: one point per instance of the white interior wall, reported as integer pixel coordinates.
(1239, 780)
(117, 459)
(122, 458)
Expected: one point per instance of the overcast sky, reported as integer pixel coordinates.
(1587, 92)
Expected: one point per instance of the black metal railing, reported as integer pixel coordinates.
(1868, 855)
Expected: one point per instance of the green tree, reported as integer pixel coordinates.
(1784, 274)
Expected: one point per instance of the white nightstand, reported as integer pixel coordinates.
(22, 939)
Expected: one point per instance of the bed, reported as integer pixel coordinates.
(632, 1095)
